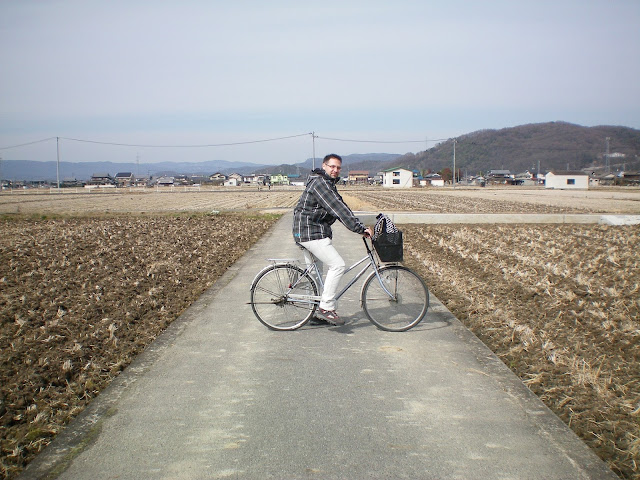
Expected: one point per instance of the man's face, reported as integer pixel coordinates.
(332, 167)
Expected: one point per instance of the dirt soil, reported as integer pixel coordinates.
(501, 200)
(560, 305)
(119, 201)
(81, 297)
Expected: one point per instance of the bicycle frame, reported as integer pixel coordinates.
(314, 267)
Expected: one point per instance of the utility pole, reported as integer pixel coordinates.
(58, 162)
(606, 155)
(453, 177)
(313, 162)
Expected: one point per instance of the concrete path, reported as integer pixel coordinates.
(220, 396)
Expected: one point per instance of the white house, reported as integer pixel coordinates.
(256, 179)
(432, 179)
(231, 182)
(397, 178)
(567, 180)
(239, 178)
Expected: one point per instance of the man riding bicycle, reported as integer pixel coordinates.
(320, 205)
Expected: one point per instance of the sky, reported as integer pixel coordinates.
(282, 81)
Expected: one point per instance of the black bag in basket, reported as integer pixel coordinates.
(387, 239)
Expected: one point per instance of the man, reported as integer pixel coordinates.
(318, 208)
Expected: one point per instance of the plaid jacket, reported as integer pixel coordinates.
(319, 207)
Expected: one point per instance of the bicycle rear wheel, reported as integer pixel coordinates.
(405, 308)
(271, 301)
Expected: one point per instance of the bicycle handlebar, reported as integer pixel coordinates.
(366, 244)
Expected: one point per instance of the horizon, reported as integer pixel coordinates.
(56, 142)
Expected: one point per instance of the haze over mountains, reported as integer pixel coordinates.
(544, 146)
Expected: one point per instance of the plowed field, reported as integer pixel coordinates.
(560, 305)
(82, 293)
(149, 200)
(81, 297)
(502, 200)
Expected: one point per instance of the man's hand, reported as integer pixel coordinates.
(368, 233)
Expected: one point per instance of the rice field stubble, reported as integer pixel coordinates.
(80, 297)
(82, 293)
(560, 305)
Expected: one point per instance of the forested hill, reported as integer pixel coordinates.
(552, 146)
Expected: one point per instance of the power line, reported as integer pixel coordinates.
(378, 141)
(185, 146)
(29, 143)
(117, 144)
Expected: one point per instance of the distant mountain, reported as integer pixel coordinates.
(549, 146)
(356, 161)
(30, 170)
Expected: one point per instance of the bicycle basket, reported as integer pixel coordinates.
(389, 246)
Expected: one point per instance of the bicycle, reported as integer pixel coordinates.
(284, 296)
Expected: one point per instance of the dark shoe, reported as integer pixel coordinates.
(329, 316)
(317, 321)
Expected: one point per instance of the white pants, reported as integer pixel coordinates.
(326, 255)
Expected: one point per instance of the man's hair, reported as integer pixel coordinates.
(330, 156)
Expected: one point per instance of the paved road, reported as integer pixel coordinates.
(220, 396)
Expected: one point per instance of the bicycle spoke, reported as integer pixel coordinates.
(270, 302)
(401, 304)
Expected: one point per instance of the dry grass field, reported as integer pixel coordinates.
(80, 297)
(560, 305)
(149, 201)
(87, 280)
(502, 200)
(459, 200)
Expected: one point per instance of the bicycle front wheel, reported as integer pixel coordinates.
(277, 297)
(401, 304)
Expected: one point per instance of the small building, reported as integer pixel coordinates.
(101, 180)
(166, 181)
(525, 178)
(125, 179)
(296, 180)
(256, 179)
(397, 178)
(197, 179)
(231, 182)
(279, 179)
(181, 180)
(217, 178)
(360, 177)
(433, 180)
(500, 177)
(69, 182)
(567, 180)
(142, 181)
